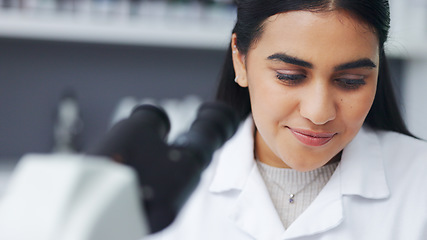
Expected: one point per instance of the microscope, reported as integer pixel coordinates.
(130, 185)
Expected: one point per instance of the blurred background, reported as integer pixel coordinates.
(70, 68)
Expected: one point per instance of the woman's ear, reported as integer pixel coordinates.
(238, 63)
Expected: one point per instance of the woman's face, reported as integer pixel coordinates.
(312, 79)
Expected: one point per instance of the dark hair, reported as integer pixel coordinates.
(251, 14)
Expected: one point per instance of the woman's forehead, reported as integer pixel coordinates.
(333, 34)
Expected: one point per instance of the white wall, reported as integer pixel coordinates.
(408, 40)
(415, 96)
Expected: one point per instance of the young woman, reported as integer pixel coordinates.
(323, 152)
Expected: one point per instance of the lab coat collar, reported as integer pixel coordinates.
(360, 172)
(362, 167)
(236, 160)
(253, 210)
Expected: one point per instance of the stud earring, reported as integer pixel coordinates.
(235, 47)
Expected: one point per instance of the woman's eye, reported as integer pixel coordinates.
(350, 84)
(290, 79)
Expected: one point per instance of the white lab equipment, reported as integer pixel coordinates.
(71, 197)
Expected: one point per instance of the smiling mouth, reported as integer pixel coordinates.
(312, 138)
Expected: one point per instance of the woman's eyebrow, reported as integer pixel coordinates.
(289, 59)
(361, 63)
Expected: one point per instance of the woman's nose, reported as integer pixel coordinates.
(318, 105)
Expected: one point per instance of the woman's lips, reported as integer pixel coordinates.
(312, 138)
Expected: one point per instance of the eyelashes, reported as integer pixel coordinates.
(350, 83)
(291, 79)
(347, 83)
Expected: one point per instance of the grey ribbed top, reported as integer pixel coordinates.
(281, 182)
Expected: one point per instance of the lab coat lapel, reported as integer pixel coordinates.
(362, 165)
(235, 160)
(254, 211)
(361, 172)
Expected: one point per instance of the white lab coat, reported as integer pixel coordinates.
(378, 191)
